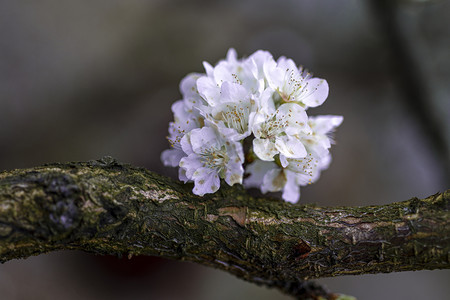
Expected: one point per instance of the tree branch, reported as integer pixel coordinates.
(105, 207)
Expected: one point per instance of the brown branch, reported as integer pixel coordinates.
(105, 207)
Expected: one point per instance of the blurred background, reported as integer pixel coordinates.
(83, 79)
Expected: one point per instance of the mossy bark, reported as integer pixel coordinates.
(105, 207)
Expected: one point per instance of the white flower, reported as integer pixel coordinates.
(258, 103)
(282, 180)
(232, 70)
(171, 157)
(276, 132)
(270, 177)
(294, 84)
(257, 170)
(287, 175)
(309, 166)
(186, 119)
(302, 172)
(235, 110)
(211, 157)
(319, 141)
(188, 88)
(257, 61)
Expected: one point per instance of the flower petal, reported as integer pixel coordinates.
(273, 181)
(188, 85)
(295, 116)
(172, 157)
(258, 59)
(182, 175)
(274, 75)
(316, 92)
(325, 124)
(234, 173)
(264, 149)
(190, 163)
(209, 90)
(232, 55)
(203, 138)
(266, 105)
(290, 147)
(257, 170)
(284, 162)
(186, 144)
(206, 181)
(233, 92)
(291, 190)
(209, 69)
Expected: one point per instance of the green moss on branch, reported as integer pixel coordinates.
(105, 207)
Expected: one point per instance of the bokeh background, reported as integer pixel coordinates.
(83, 79)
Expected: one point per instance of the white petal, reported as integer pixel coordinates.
(317, 92)
(186, 144)
(234, 172)
(206, 181)
(258, 121)
(287, 64)
(222, 73)
(264, 149)
(274, 76)
(251, 121)
(259, 58)
(237, 150)
(230, 134)
(209, 69)
(233, 92)
(324, 163)
(265, 101)
(203, 138)
(182, 175)
(317, 146)
(290, 147)
(172, 157)
(209, 90)
(296, 117)
(232, 55)
(273, 181)
(191, 164)
(188, 85)
(325, 124)
(284, 162)
(257, 170)
(291, 190)
(184, 117)
(178, 110)
(234, 115)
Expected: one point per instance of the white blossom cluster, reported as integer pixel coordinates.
(248, 116)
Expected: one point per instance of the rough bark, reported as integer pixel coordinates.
(105, 207)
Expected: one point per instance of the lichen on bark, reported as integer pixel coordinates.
(105, 207)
